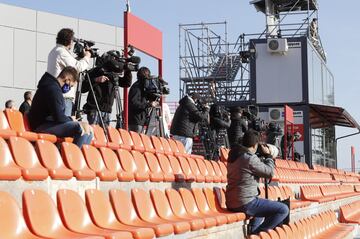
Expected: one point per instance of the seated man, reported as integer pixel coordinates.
(47, 113)
(244, 171)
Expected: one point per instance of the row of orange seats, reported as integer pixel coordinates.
(139, 215)
(290, 164)
(323, 225)
(327, 193)
(284, 175)
(345, 178)
(350, 213)
(22, 159)
(282, 193)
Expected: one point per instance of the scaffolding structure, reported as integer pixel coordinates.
(210, 65)
(218, 69)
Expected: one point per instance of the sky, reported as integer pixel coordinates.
(338, 28)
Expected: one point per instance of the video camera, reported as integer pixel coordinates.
(81, 45)
(112, 64)
(155, 87)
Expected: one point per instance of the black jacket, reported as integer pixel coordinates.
(48, 103)
(218, 118)
(236, 131)
(186, 117)
(138, 104)
(25, 107)
(104, 92)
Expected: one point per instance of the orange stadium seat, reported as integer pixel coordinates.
(51, 159)
(157, 144)
(174, 148)
(5, 131)
(126, 138)
(182, 151)
(185, 167)
(112, 163)
(8, 169)
(211, 170)
(147, 212)
(128, 164)
(200, 178)
(74, 159)
(16, 122)
(12, 224)
(178, 173)
(100, 139)
(126, 213)
(138, 144)
(204, 208)
(163, 209)
(166, 146)
(149, 147)
(204, 170)
(155, 168)
(166, 168)
(192, 208)
(96, 163)
(43, 218)
(179, 210)
(103, 216)
(76, 218)
(218, 172)
(143, 168)
(224, 154)
(114, 137)
(25, 156)
(216, 207)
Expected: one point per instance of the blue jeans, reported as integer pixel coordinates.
(187, 142)
(68, 106)
(267, 214)
(67, 129)
(93, 118)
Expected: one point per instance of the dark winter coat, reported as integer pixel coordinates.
(186, 117)
(138, 104)
(48, 103)
(236, 131)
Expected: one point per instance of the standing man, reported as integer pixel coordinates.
(26, 105)
(47, 113)
(187, 115)
(139, 104)
(60, 57)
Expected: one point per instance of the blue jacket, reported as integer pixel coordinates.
(48, 103)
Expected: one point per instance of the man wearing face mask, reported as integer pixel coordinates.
(60, 57)
(47, 113)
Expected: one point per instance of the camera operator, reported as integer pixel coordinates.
(47, 113)
(238, 126)
(273, 133)
(60, 57)
(138, 101)
(245, 169)
(219, 123)
(186, 117)
(104, 90)
(290, 145)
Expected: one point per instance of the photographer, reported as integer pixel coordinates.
(238, 126)
(60, 57)
(245, 169)
(273, 133)
(47, 113)
(138, 101)
(219, 123)
(187, 115)
(104, 85)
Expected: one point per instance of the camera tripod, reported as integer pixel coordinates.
(154, 122)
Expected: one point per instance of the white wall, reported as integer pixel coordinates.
(278, 77)
(27, 36)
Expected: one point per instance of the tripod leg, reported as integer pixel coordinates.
(119, 111)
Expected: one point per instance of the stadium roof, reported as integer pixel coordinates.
(322, 116)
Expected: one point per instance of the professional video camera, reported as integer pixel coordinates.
(155, 87)
(81, 45)
(255, 123)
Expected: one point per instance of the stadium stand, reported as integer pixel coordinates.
(136, 186)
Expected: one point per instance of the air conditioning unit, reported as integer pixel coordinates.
(276, 114)
(277, 45)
